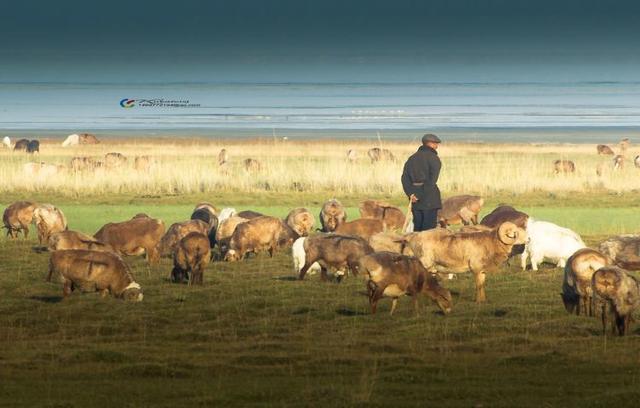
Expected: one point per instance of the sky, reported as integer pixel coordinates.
(319, 41)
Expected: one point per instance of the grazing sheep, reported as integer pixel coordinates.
(6, 141)
(65, 240)
(223, 157)
(618, 162)
(549, 241)
(94, 271)
(564, 166)
(301, 221)
(191, 258)
(83, 163)
(299, 256)
(391, 215)
(390, 242)
(340, 252)
(440, 250)
(576, 285)
(17, 217)
(352, 156)
(461, 209)
(600, 169)
(332, 214)
(114, 160)
(179, 230)
(363, 227)
(604, 149)
(21, 144)
(394, 275)
(137, 236)
(623, 250)
(143, 163)
(377, 154)
(33, 146)
(259, 234)
(618, 294)
(225, 232)
(624, 145)
(87, 138)
(71, 140)
(42, 170)
(252, 165)
(48, 220)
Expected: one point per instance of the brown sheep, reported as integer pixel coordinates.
(259, 234)
(179, 230)
(461, 209)
(479, 252)
(377, 154)
(604, 149)
(137, 236)
(618, 162)
(392, 215)
(340, 252)
(48, 220)
(87, 138)
(301, 221)
(363, 227)
(391, 242)
(225, 232)
(64, 240)
(190, 258)
(394, 275)
(223, 157)
(618, 294)
(17, 217)
(82, 164)
(577, 292)
(332, 214)
(252, 165)
(564, 166)
(94, 271)
(623, 250)
(249, 214)
(114, 160)
(143, 163)
(21, 144)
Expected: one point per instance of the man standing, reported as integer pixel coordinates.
(419, 178)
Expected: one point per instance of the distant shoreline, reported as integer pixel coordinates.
(609, 134)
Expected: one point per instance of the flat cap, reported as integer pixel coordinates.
(431, 138)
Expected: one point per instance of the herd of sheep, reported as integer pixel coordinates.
(379, 246)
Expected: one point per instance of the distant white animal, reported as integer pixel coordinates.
(549, 241)
(299, 258)
(71, 140)
(41, 170)
(226, 213)
(6, 141)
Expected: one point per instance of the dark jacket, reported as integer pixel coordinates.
(419, 177)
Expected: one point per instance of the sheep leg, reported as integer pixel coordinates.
(414, 300)
(621, 324)
(604, 319)
(394, 304)
(304, 269)
(67, 288)
(480, 279)
(375, 294)
(523, 259)
(153, 255)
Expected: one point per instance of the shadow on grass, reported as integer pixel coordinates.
(303, 310)
(287, 278)
(343, 311)
(39, 249)
(47, 299)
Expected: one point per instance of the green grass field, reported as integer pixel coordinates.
(253, 335)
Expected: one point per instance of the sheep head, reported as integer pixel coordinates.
(511, 234)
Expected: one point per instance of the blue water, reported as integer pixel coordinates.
(91, 107)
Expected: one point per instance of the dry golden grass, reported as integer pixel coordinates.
(188, 166)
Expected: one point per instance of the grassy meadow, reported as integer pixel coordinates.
(255, 336)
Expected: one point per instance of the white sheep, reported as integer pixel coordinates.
(6, 142)
(71, 140)
(549, 241)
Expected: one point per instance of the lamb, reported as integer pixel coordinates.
(576, 285)
(550, 241)
(190, 258)
(395, 275)
(618, 293)
(94, 271)
(48, 220)
(476, 252)
(332, 215)
(340, 252)
(17, 217)
(461, 209)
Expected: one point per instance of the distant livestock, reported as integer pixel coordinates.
(190, 258)
(42, 170)
(604, 149)
(135, 237)
(623, 250)
(143, 163)
(618, 162)
(636, 161)
(624, 145)
(479, 252)
(618, 295)
(252, 165)
(33, 146)
(114, 160)
(223, 157)
(564, 166)
(21, 144)
(94, 271)
(48, 220)
(377, 154)
(549, 241)
(332, 215)
(334, 251)
(352, 156)
(392, 216)
(17, 217)
(87, 138)
(83, 163)
(461, 209)
(6, 142)
(71, 140)
(577, 293)
(394, 275)
(65, 240)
